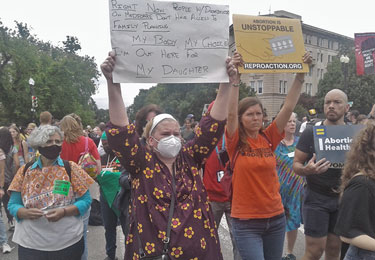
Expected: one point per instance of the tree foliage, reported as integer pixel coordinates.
(180, 99)
(64, 81)
(360, 89)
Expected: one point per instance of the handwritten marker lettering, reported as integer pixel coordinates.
(166, 42)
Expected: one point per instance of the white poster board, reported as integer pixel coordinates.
(169, 42)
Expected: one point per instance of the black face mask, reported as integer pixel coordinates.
(50, 152)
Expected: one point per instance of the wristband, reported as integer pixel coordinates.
(236, 85)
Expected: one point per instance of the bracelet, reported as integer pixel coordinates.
(236, 85)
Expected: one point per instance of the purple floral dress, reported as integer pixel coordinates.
(194, 234)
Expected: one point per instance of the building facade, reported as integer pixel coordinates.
(271, 89)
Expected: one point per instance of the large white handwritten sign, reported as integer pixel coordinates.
(169, 42)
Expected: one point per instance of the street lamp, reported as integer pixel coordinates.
(34, 99)
(344, 63)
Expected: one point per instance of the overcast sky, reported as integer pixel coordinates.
(88, 20)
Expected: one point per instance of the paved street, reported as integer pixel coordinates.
(96, 244)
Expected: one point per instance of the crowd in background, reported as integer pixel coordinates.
(162, 181)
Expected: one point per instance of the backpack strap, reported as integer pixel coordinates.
(67, 167)
(86, 145)
(27, 166)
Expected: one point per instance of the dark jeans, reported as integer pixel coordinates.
(260, 238)
(110, 221)
(355, 253)
(219, 209)
(72, 252)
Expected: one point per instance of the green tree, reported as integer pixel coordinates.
(180, 99)
(64, 81)
(360, 89)
(71, 44)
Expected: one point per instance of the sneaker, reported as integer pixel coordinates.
(289, 257)
(6, 248)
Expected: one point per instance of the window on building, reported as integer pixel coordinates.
(317, 57)
(252, 86)
(260, 86)
(310, 71)
(285, 87)
(321, 57)
(329, 58)
(330, 44)
(308, 88)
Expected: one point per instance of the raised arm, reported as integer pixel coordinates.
(292, 97)
(220, 107)
(117, 111)
(232, 123)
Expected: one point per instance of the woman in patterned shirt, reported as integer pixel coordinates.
(193, 231)
(48, 198)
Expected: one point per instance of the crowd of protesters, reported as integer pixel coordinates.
(161, 181)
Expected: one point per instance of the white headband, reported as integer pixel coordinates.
(157, 119)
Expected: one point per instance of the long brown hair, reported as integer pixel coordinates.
(244, 104)
(72, 129)
(361, 157)
(18, 137)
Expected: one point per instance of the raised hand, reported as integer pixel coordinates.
(108, 65)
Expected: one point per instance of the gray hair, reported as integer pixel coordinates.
(41, 135)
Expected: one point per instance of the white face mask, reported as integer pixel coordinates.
(168, 147)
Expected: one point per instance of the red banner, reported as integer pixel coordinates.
(365, 53)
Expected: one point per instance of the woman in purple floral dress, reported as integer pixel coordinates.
(193, 232)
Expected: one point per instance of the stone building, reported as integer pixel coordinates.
(271, 89)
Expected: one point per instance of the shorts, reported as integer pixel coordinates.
(320, 213)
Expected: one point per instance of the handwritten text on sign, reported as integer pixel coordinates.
(169, 42)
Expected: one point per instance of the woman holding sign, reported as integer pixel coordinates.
(48, 198)
(170, 213)
(257, 210)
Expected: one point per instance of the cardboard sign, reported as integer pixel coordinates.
(169, 42)
(332, 142)
(365, 53)
(269, 44)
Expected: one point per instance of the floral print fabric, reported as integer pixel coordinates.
(36, 185)
(193, 234)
